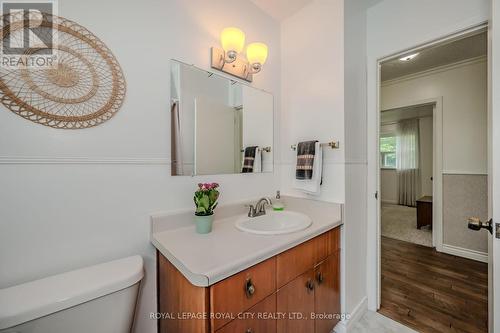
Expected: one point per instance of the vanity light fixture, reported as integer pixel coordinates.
(229, 59)
(409, 57)
(257, 56)
(233, 42)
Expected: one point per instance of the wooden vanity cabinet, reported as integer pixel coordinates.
(327, 293)
(242, 291)
(296, 300)
(279, 294)
(256, 319)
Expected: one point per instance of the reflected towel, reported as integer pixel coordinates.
(249, 159)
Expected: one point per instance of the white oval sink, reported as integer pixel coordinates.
(274, 223)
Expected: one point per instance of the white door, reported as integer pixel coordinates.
(214, 138)
(494, 167)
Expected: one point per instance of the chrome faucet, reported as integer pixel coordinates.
(260, 207)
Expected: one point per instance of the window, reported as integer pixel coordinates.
(388, 151)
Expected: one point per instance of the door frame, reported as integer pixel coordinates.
(374, 234)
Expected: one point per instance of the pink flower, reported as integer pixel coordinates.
(207, 186)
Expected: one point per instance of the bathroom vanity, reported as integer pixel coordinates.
(235, 281)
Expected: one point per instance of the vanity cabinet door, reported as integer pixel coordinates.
(241, 291)
(259, 319)
(296, 301)
(327, 293)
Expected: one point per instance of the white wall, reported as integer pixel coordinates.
(389, 186)
(355, 251)
(313, 91)
(463, 89)
(395, 26)
(58, 216)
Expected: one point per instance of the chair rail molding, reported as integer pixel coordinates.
(83, 160)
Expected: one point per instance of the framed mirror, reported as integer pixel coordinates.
(218, 125)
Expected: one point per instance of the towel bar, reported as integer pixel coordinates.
(332, 144)
(266, 149)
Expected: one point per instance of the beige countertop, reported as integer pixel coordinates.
(207, 259)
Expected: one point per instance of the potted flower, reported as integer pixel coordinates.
(205, 199)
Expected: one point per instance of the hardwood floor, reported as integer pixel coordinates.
(433, 292)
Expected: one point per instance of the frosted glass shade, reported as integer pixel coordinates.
(232, 39)
(257, 53)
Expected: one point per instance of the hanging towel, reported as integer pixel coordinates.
(249, 159)
(309, 167)
(305, 160)
(257, 163)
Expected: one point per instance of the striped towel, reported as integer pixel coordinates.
(248, 161)
(305, 160)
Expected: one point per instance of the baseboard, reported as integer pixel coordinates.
(346, 325)
(465, 253)
(391, 202)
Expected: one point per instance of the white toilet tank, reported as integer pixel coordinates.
(97, 299)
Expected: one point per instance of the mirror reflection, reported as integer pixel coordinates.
(218, 126)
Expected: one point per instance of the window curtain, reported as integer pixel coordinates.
(408, 161)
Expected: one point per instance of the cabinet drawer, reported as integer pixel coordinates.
(305, 256)
(241, 291)
(327, 244)
(256, 320)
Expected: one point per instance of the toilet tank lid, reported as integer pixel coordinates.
(32, 300)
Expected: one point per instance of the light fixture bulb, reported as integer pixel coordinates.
(232, 40)
(257, 54)
(409, 57)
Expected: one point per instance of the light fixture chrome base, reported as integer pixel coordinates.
(239, 67)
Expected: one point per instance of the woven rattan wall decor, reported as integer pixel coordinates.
(83, 88)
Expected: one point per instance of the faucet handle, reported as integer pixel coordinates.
(251, 210)
(262, 207)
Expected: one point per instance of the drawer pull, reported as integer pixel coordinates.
(310, 285)
(249, 330)
(249, 288)
(320, 278)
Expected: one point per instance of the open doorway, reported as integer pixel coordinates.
(433, 178)
(406, 173)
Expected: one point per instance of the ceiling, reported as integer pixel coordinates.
(442, 54)
(281, 9)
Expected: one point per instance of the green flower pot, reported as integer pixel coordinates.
(204, 223)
